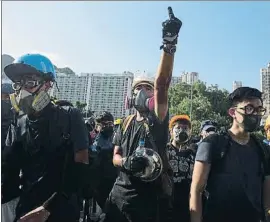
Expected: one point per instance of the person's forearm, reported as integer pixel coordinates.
(117, 160)
(162, 83)
(195, 205)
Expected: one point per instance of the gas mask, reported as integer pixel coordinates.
(250, 122)
(30, 103)
(181, 135)
(140, 101)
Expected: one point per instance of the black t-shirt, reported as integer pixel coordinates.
(129, 187)
(181, 162)
(35, 148)
(235, 181)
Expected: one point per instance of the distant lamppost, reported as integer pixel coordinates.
(191, 101)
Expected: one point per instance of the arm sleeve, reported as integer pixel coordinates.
(78, 131)
(11, 165)
(204, 152)
(117, 137)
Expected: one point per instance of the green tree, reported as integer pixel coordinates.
(200, 103)
(80, 106)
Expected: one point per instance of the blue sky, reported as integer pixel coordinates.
(223, 41)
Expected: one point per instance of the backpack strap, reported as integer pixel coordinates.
(222, 143)
(126, 123)
(264, 150)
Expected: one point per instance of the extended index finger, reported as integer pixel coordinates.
(170, 11)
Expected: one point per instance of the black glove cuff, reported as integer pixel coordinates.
(169, 48)
(124, 167)
(54, 201)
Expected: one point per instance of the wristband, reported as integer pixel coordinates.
(170, 49)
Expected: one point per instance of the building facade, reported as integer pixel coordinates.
(176, 80)
(101, 92)
(237, 84)
(265, 88)
(189, 77)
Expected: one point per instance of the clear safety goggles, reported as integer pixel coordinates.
(26, 83)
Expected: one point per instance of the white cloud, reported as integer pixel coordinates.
(16, 47)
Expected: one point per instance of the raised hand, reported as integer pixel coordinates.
(170, 31)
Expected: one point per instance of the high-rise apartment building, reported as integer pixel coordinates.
(237, 84)
(71, 87)
(101, 92)
(175, 80)
(265, 88)
(108, 92)
(189, 77)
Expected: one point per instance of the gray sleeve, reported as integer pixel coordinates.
(204, 152)
(78, 131)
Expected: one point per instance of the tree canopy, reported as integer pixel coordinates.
(200, 103)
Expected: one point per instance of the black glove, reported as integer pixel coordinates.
(134, 164)
(170, 31)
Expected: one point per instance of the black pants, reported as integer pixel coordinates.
(103, 191)
(140, 210)
(143, 209)
(232, 216)
(68, 211)
(180, 210)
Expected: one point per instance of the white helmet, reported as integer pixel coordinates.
(142, 78)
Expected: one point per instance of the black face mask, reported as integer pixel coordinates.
(250, 122)
(107, 131)
(183, 136)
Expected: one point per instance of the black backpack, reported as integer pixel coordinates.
(224, 141)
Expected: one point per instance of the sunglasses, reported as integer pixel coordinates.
(251, 110)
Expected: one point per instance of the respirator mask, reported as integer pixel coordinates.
(30, 103)
(181, 135)
(140, 101)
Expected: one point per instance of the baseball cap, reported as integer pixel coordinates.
(245, 93)
(207, 124)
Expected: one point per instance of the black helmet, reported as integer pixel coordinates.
(104, 116)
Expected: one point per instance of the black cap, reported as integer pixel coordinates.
(242, 93)
(208, 124)
(104, 116)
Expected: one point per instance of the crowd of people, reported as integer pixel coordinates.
(145, 167)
